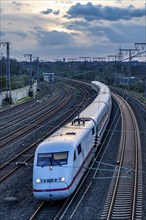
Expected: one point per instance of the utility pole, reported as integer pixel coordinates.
(131, 53)
(8, 82)
(142, 45)
(115, 58)
(29, 56)
(99, 59)
(1, 56)
(37, 69)
(120, 54)
(84, 66)
(72, 60)
(57, 60)
(85, 58)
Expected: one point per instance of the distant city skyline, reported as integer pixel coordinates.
(70, 28)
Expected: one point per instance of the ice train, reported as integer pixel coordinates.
(61, 160)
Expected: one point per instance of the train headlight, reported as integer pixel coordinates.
(62, 179)
(38, 180)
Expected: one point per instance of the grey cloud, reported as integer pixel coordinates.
(17, 3)
(36, 27)
(118, 33)
(77, 25)
(2, 33)
(20, 34)
(115, 33)
(54, 38)
(57, 12)
(126, 33)
(48, 11)
(92, 12)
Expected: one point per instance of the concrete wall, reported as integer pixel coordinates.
(18, 94)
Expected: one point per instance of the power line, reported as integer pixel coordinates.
(99, 59)
(8, 82)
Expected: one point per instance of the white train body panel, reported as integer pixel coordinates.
(61, 160)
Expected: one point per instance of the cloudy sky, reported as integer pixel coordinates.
(57, 29)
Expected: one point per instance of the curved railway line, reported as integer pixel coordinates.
(9, 112)
(72, 204)
(45, 113)
(16, 117)
(6, 169)
(124, 199)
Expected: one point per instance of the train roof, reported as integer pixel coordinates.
(75, 130)
(103, 89)
(102, 99)
(70, 131)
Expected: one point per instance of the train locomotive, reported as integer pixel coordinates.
(61, 160)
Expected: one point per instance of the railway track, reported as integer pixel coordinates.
(141, 104)
(9, 167)
(73, 208)
(45, 210)
(124, 199)
(10, 112)
(25, 127)
(76, 202)
(17, 116)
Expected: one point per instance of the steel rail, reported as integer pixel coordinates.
(87, 181)
(30, 147)
(37, 142)
(5, 113)
(18, 133)
(38, 210)
(125, 195)
(18, 116)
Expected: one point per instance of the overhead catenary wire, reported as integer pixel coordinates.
(125, 170)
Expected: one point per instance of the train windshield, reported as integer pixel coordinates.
(52, 159)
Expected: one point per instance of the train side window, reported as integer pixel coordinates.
(75, 155)
(79, 149)
(93, 131)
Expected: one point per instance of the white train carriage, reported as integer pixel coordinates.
(61, 160)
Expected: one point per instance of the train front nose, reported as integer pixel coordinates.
(51, 191)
